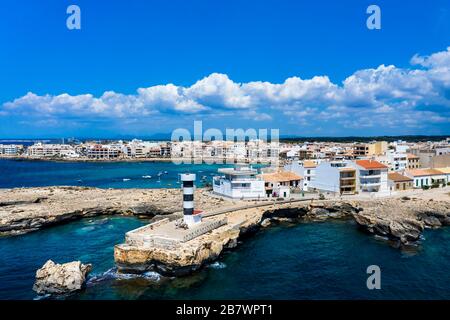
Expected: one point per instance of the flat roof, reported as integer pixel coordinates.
(238, 172)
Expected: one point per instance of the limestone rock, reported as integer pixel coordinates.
(265, 223)
(55, 278)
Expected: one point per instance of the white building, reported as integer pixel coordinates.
(99, 151)
(306, 169)
(338, 177)
(426, 177)
(239, 183)
(40, 150)
(9, 149)
(396, 161)
(279, 184)
(372, 176)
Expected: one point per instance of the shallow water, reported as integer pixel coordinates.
(307, 261)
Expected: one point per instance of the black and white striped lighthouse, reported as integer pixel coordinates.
(189, 215)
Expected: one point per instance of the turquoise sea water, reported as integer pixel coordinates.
(306, 261)
(102, 175)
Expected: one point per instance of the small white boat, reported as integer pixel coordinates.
(124, 180)
(147, 177)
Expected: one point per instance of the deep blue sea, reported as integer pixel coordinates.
(102, 175)
(325, 260)
(307, 261)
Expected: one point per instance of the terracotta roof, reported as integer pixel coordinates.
(424, 172)
(280, 176)
(411, 156)
(397, 177)
(370, 164)
(309, 164)
(444, 170)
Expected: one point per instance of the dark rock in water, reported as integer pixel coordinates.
(65, 278)
(431, 221)
(406, 231)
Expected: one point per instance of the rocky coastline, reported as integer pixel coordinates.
(399, 219)
(24, 210)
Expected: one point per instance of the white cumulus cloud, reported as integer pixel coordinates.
(385, 94)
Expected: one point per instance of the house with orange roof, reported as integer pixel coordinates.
(279, 184)
(399, 182)
(371, 176)
(426, 177)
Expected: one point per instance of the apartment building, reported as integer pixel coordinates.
(41, 150)
(10, 149)
(336, 177)
(371, 176)
(99, 151)
(370, 149)
(397, 161)
(413, 161)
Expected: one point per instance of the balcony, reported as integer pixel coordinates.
(350, 185)
(370, 176)
(370, 184)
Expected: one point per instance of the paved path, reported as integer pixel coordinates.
(255, 205)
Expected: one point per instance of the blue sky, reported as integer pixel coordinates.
(309, 68)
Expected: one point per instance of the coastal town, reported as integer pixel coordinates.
(377, 168)
(393, 190)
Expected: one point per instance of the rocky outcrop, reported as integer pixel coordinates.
(185, 259)
(65, 278)
(29, 209)
(192, 255)
(402, 220)
(314, 211)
